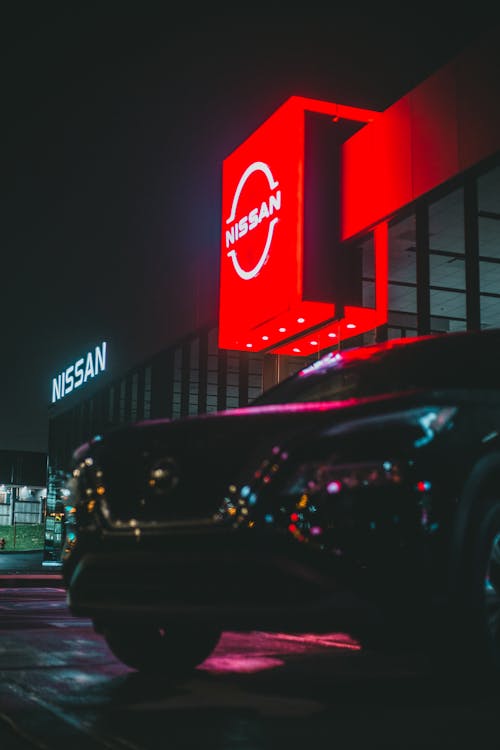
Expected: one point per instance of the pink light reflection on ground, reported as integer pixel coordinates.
(334, 640)
(244, 664)
(260, 651)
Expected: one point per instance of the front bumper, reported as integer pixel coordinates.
(236, 580)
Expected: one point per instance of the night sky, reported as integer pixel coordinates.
(115, 122)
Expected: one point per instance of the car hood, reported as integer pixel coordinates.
(193, 460)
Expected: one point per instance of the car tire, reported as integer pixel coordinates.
(172, 650)
(461, 640)
(467, 647)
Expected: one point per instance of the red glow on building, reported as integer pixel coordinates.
(263, 300)
(356, 320)
(444, 126)
(438, 130)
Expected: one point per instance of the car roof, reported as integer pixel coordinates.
(450, 339)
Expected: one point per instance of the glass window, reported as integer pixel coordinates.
(212, 370)
(177, 383)
(147, 393)
(488, 189)
(133, 401)
(122, 400)
(194, 376)
(402, 267)
(368, 271)
(447, 262)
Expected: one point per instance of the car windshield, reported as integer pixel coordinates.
(456, 360)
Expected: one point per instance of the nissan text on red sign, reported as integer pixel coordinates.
(262, 302)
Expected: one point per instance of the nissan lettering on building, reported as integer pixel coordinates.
(77, 374)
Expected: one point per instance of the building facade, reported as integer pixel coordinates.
(422, 181)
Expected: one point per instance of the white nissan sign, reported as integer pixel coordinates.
(79, 372)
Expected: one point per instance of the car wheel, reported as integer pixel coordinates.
(468, 645)
(462, 640)
(171, 650)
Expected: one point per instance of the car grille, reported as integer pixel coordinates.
(150, 484)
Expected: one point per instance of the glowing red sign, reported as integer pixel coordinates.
(262, 300)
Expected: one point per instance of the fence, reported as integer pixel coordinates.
(21, 512)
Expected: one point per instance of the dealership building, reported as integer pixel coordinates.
(340, 226)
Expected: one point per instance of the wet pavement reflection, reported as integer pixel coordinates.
(60, 686)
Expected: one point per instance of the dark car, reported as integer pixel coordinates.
(361, 495)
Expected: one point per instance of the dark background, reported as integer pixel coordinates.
(116, 120)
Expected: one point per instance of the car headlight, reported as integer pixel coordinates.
(313, 477)
(285, 487)
(424, 423)
(86, 490)
(331, 475)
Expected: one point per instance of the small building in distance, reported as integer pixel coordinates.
(23, 492)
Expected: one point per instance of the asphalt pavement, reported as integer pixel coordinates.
(28, 569)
